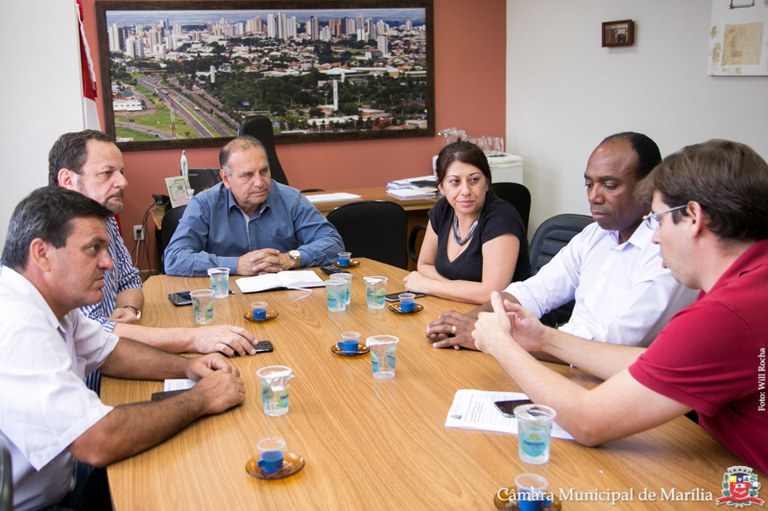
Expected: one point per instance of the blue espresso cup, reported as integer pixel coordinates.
(259, 310)
(350, 341)
(407, 303)
(531, 492)
(349, 346)
(343, 258)
(271, 461)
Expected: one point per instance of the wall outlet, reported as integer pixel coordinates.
(138, 233)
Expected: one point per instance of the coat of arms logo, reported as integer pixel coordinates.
(740, 488)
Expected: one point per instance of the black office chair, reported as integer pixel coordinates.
(415, 239)
(260, 128)
(167, 228)
(6, 478)
(203, 178)
(549, 238)
(374, 229)
(519, 196)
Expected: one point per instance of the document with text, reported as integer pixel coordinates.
(177, 384)
(475, 409)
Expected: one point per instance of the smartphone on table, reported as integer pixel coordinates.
(330, 269)
(260, 347)
(395, 297)
(508, 407)
(263, 347)
(180, 298)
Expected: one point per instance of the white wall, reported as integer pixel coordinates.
(41, 93)
(565, 92)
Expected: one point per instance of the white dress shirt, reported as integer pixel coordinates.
(623, 294)
(44, 403)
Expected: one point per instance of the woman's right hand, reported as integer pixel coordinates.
(416, 282)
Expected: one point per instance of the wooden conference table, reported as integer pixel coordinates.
(371, 444)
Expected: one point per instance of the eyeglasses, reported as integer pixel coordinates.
(652, 219)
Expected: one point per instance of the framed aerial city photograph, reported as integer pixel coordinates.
(618, 33)
(186, 74)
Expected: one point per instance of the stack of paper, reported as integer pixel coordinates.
(475, 409)
(420, 192)
(420, 187)
(411, 182)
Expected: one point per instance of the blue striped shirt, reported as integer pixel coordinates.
(122, 276)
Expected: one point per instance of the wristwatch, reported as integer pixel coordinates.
(295, 255)
(135, 310)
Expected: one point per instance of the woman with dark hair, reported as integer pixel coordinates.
(475, 242)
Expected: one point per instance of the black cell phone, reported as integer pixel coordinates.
(263, 347)
(180, 298)
(395, 297)
(330, 269)
(159, 396)
(508, 407)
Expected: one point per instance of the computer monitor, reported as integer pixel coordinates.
(202, 179)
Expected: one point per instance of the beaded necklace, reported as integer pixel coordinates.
(463, 241)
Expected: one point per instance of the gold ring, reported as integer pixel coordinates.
(453, 329)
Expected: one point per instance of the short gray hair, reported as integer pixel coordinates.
(235, 145)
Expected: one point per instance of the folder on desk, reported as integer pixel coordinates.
(281, 280)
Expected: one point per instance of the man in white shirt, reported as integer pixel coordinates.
(54, 261)
(611, 268)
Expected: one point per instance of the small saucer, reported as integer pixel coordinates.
(395, 307)
(511, 504)
(352, 263)
(362, 349)
(270, 315)
(292, 463)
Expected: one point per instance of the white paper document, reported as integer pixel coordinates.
(332, 197)
(177, 384)
(283, 279)
(475, 409)
(418, 192)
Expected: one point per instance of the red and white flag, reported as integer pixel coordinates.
(90, 113)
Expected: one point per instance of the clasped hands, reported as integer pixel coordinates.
(509, 323)
(218, 382)
(265, 260)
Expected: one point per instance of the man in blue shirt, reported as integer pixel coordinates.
(249, 223)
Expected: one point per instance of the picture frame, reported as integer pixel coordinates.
(737, 35)
(178, 187)
(186, 74)
(618, 33)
